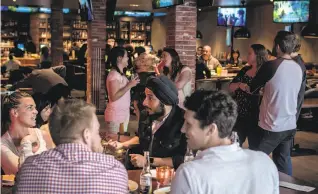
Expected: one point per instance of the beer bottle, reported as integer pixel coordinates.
(145, 176)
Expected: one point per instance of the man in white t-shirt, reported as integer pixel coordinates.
(222, 166)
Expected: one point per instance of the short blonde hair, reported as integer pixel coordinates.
(69, 119)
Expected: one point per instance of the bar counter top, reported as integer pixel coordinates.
(25, 61)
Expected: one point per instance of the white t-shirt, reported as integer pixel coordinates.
(227, 170)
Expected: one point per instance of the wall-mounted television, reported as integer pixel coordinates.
(23, 9)
(133, 13)
(157, 4)
(21, 46)
(159, 14)
(48, 10)
(86, 10)
(230, 16)
(291, 11)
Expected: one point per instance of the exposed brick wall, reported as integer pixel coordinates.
(181, 32)
(96, 58)
(56, 21)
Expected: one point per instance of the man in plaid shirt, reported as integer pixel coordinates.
(77, 164)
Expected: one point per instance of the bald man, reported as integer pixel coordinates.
(208, 59)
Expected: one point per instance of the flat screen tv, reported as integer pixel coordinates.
(230, 16)
(86, 10)
(291, 11)
(21, 46)
(157, 4)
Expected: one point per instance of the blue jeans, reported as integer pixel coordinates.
(279, 144)
(290, 166)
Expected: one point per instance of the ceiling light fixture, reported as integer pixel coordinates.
(133, 5)
(310, 31)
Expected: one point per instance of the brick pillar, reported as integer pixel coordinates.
(96, 43)
(56, 22)
(181, 32)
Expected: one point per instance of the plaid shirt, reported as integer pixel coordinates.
(72, 168)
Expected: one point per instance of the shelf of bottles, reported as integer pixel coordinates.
(136, 33)
(9, 33)
(79, 32)
(111, 30)
(124, 31)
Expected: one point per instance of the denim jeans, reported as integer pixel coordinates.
(278, 143)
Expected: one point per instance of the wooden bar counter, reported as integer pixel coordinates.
(25, 61)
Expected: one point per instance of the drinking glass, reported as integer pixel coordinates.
(164, 175)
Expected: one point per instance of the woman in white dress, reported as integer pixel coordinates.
(178, 73)
(19, 139)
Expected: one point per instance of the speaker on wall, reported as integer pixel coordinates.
(110, 10)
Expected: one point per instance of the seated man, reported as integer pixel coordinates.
(10, 65)
(209, 119)
(159, 126)
(77, 164)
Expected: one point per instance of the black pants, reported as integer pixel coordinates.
(248, 128)
(278, 143)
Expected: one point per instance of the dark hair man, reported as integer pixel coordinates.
(209, 120)
(281, 79)
(77, 164)
(160, 126)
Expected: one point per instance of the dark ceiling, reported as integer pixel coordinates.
(128, 4)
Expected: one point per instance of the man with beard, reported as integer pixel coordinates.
(159, 128)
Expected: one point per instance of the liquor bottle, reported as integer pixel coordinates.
(145, 176)
(189, 155)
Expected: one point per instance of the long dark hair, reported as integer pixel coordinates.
(10, 102)
(261, 54)
(232, 58)
(114, 54)
(41, 101)
(176, 64)
(45, 52)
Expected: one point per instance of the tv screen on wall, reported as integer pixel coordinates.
(157, 4)
(231, 16)
(86, 10)
(291, 11)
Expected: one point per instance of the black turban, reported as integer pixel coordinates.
(164, 89)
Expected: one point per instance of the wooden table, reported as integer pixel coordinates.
(134, 175)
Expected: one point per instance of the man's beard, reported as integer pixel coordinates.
(157, 113)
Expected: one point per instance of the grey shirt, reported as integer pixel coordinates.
(41, 80)
(281, 79)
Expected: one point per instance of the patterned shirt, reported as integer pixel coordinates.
(72, 168)
(247, 103)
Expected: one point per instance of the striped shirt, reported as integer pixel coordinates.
(72, 168)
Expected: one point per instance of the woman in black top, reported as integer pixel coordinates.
(235, 60)
(247, 120)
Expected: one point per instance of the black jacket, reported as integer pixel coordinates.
(201, 67)
(168, 141)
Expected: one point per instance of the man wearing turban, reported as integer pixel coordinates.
(160, 124)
